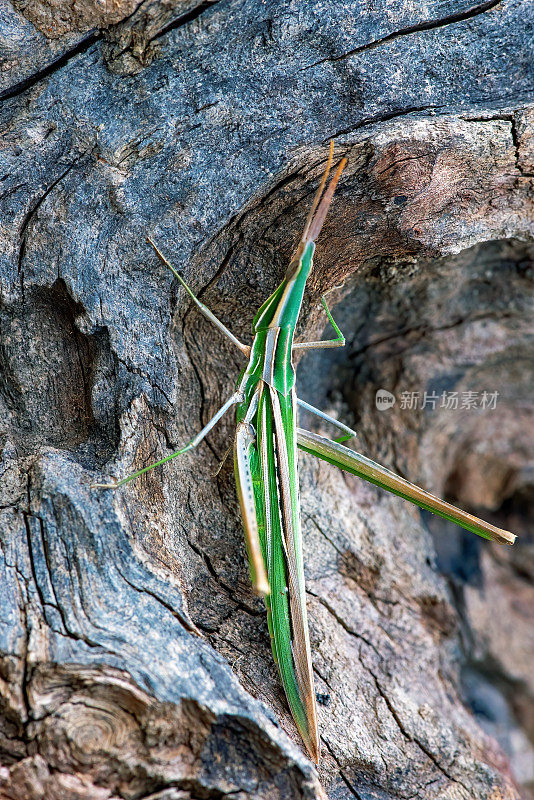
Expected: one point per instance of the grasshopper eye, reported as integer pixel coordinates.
(294, 264)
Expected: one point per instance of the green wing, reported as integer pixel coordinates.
(267, 484)
(282, 547)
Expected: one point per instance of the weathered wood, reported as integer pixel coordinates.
(205, 125)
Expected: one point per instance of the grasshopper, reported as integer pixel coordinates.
(266, 464)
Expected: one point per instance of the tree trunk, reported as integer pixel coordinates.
(205, 125)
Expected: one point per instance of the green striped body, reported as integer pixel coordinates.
(267, 457)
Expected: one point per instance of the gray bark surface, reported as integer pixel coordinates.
(205, 125)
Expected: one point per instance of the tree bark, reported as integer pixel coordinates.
(134, 658)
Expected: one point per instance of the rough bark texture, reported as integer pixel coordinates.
(205, 124)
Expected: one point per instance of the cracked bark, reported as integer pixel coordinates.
(429, 25)
(204, 125)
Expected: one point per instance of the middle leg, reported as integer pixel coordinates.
(349, 433)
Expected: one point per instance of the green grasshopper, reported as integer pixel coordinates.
(266, 472)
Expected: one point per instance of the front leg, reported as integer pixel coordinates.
(245, 348)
